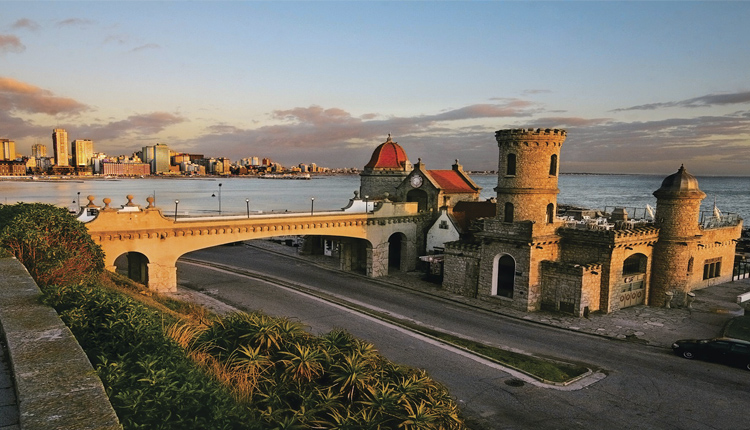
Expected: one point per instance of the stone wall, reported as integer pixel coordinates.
(56, 386)
(570, 288)
(461, 268)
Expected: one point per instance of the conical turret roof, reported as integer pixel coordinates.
(680, 184)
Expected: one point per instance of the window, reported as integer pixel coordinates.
(443, 224)
(712, 268)
(636, 263)
(511, 165)
(690, 265)
(550, 213)
(553, 165)
(508, 212)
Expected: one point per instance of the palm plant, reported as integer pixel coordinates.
(303, 364)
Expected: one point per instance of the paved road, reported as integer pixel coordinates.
(645, 387)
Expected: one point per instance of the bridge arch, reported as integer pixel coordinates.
(134, 265)
(155, 243)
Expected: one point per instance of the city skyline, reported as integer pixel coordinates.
(641, 87)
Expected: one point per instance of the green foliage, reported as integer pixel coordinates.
(331, 381)
(151, 382)
(55, 247)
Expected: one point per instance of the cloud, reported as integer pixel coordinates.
(703, 101)
(145, 47)
(10, 43)
(315, 133)
(718, 144)
(74, 22)
(25, 23)
(22, 97)
(141, 125)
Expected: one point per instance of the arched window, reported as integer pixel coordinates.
(550, 213)
(553, 165)
(508, 214)
(634, 264)
(511, 165)
(690, 265)
(505, 273)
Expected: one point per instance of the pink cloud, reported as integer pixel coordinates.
(10, 43)
(20, 96)
(25, 23)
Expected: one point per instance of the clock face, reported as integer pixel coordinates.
(416, 181)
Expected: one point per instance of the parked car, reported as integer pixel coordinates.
(726, 350)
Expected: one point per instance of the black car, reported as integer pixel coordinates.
(723, 349)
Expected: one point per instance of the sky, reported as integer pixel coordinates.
(640, 86)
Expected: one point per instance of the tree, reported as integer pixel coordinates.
(54, 246)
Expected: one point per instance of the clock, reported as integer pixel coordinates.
(416, 181)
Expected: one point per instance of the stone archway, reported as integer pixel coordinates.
(504, 273)
(134, 265)
(396, 251)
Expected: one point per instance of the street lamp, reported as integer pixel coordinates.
(312, 205)
(367, 209)
(214, 195)
(79, 199)
(247, 202)
(176, 202)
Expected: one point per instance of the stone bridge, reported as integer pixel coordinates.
(151, 243)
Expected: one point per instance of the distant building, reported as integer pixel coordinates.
(38, 150)
(60, 147)
(12, 167)
(83, 151)
(158, 156)
(125, 169)
(7, 149)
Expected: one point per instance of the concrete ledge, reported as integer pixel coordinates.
(55, 383)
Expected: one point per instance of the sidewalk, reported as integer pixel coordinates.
(712, 308)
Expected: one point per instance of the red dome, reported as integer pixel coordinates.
(389, 155)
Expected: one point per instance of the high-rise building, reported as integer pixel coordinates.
(158, 156)
(60, 146)
(38, 150)
(83, 151)
(7, 149)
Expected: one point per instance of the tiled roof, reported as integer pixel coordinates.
(388, 155)
(451, 181)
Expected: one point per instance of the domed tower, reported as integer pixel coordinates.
(388, 167)
(527, 174)
(678, 202)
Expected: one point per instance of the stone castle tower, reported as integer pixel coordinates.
(678, 202)
(527, 174)
(386, 170)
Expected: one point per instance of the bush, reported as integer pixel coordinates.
(55, 247)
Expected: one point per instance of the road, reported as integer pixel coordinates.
(644, 387)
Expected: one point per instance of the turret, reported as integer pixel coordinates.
(528, 169)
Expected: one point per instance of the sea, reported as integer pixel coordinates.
(238, 195)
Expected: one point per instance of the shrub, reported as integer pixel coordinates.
(55, 247)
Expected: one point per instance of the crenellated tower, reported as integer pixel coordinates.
(528, 170)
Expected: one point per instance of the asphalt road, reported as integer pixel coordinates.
(635, 387)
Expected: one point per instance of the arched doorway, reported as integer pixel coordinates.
(396, 244)
(134, 265)
(504, 276)
(633, 284)
(419, 196)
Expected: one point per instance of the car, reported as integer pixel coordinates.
(735, 352)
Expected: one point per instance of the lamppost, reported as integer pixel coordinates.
(176, 202)
(214, 195)
(367, 209)
(79, 199)
(247, 202)
(312, 205)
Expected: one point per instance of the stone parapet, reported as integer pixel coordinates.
(56, 386)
